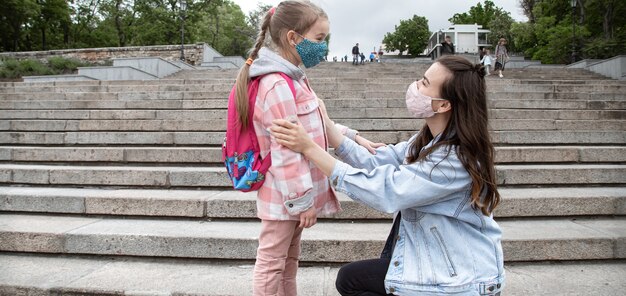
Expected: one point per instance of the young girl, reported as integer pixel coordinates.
(486, 61)
(441, 184)
(295, 191)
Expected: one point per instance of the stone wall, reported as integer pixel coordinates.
(193, 53)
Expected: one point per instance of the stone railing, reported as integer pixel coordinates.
(194, 53)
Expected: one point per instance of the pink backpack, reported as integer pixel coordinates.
(241, 151)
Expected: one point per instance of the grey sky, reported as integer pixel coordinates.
(367, 21)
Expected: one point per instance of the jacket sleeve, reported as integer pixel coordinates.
(291, 171)
(389, 188)
(358, 156)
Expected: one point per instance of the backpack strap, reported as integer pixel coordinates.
(257, 80)
(290, 83)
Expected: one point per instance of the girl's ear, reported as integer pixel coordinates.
(291, 37)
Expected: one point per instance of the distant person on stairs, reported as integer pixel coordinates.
(355, 54)
(294, 191)
(486, 61)
(502, 56)
(447, 47)
(441, 184)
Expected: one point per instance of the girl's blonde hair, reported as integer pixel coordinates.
(299, 16)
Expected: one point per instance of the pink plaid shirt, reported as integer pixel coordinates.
(292, 184)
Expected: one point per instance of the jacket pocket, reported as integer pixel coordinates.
(444, 251)
(306, 106)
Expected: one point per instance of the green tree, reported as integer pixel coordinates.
(411, 36)
(523, 35)
(500, 26)
(478, 14)
(548, 36)
(56, 24)
(158, 22)
(255, 17)
(491, 17)
(119, 15)
(52, 24)
(226, 30)
(16, 16)
(87, 28)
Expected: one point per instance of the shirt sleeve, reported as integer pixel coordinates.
(389, 189)
(357, 156)
(291, 171)
(346, 131)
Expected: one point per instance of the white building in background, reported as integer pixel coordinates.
(466, 39)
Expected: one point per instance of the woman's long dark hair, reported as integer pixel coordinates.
(467, 130)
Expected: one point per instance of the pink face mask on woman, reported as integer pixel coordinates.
(419, 105)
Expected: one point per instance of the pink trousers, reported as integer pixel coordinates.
(277, 259)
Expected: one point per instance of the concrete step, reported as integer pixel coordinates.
(216, 138)
(374, 93)
(335, 113)
(211, 204)
(42, 274)
(213, 155)
(167, 177)
(380, 124)
(343, 103)
(115, 104)
(223, 85)
(127, 114)
(389, 78)
(523, 239)
(604, 81)
(112, 138)
(559, 105)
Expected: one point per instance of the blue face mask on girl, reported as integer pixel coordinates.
(311, 52)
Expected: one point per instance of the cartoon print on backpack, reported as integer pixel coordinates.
(240, 150)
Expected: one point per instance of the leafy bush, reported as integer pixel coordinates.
(63, 65)
(12, 68)
(33, 67)
(601, 48)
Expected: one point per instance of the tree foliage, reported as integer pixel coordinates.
(255, 17)
(478, 14)
(491, 17)
(549, 34)
(410, 35)
(57, 24)
(226, 30)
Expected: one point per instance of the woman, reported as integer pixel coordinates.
(502, 56)
(441, 184)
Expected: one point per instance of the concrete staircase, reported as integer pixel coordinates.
(116, 187)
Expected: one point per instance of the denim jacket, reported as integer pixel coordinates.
(443, 245)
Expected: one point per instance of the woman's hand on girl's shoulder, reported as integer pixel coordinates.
(291, 135)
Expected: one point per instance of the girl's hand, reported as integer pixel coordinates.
(291, 135)
(369, 145)
(308, 218)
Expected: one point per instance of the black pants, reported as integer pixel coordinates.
(363, 278)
